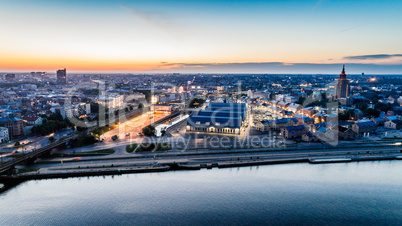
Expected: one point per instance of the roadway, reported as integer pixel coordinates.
(198, 157)
(35, 154)
(31, 144)
(132, 126)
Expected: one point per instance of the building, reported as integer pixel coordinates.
(279, 97)
(10, 77)
(224, 118)
(345, 101)
(161, 108)
(28, 87)
(4, 136)
(294, 107)
(342, 88)
(292, 132)
(319, 126)
(259, 94)
(279, 124)
(393, 124)
(15, 126)
(361, 128)
(33, 119)
(378, 121)
(310, 137)
(88, 108)
(303, 120)
(283, 105)
(61, 77)
(290, 99)
(263, 125)
(111, 101)
(345, 133)
(308, 111)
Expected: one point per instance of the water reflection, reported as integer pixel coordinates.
(359, 193)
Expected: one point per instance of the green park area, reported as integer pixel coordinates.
(83, 154)
(148, 147)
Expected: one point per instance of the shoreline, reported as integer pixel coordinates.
(86, 172)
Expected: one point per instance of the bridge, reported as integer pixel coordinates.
(32, 156)
(165, 119)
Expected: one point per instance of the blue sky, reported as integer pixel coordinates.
(131, 36)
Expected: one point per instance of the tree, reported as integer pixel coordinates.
(362, 106)
(56, 117)
(140, 106)
(372, 112)
(300, 100)
(52, 125)
(323, 96)
(147, 94)
(196, 103)
(383, 107)
(94, 108)
(149, 131)
(83, 141)
(346, 115)
(163, 132)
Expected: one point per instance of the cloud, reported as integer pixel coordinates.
(276, 68)
(319, 2)
(372, 57)
(365, 24)
(159, 20)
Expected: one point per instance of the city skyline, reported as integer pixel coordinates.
(201, 36)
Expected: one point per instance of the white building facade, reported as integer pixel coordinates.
(4, 136)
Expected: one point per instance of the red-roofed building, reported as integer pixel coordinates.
(32, 119)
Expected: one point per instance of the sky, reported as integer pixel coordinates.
(218, 36)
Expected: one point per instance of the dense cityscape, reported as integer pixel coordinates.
(150, 111)
(200, 112)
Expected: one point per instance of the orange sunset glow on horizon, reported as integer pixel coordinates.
(209, 37)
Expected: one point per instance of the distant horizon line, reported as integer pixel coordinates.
(196, 73)
(229, 68)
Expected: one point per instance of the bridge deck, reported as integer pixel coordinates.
(35, 154)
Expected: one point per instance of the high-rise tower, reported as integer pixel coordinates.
(342, 87)
(61, 77)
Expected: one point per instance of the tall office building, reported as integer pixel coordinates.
(61, 77)
(342, 87)
(10, 77)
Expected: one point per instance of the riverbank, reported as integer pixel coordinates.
(164, 166)
(82, 173)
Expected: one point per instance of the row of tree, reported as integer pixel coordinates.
(51, 124)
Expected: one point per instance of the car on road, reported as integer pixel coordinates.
(127, 134)
(140, 134)
(115, 137)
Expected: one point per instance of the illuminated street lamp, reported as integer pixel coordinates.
(154, 99)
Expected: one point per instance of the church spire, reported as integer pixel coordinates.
(343, 74)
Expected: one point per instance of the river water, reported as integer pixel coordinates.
(354, 193)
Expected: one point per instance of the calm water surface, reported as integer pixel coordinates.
(353, 193)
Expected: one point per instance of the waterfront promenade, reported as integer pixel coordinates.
(198, 159)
